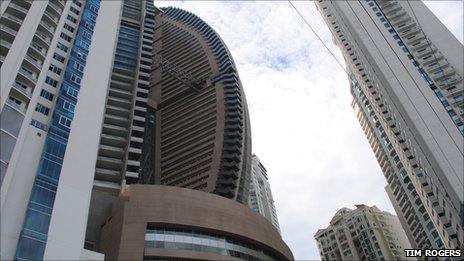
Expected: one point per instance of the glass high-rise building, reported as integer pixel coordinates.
(97, 99)
(406, 74)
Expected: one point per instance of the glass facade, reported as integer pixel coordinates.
(33, 238)
(185, 239)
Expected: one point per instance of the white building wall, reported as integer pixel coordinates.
(421, 122)
(19, 177)
(15, 204)
(68, 224)
(260, 192)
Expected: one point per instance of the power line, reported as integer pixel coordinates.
(310, 27)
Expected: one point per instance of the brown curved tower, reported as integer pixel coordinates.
(198, 111)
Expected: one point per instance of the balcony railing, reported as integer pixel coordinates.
(44, 38)
(15, 105)
(22, 90)
(17, 7)
(37, 64)
(12, 17)
(8, 30)
(28, 75)
(49, 28)
(5, 44)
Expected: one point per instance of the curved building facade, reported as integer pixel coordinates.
(202, 129)
(151, 222)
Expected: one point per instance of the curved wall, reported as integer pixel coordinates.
(203, 135)
(164, 207)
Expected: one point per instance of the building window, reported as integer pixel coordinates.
(64, 121)
(72, 92)
(68, 27)
(65, 37)
(58, 57)
(51, 81)
(42, 109)
(173, 238)
(47, 95)
(77, 3)
(62, 47)
(68, 106)
(55, 69)
(81, 55)
(78, 66)
(72, 19)
(74, 10)
(75, 79)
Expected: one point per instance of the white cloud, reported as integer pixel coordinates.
(303, 127)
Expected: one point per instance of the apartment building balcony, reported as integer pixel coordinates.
(406, 27)
(418, 37)
(28, 75)
(12, 21)
(52, 19)
(114, 130)
(113, 140)
(118, 111)
(107, 174)
(16, 106)
(116, 120)
(5, 44)
(54, 8)
(413, 31)
(132, 174)
(34, 63)
(22, 91)
(37, 50)
(121, 85)
(111, 151)
(18, 8)
(122, 77)
(429, 50)
(387, 5)
(48, 28)
(109, 163)
(135, 150)
(392, 10)
(43, 39)
(396, 16)
(446, 72)
(119, 93)
(124, 103)
(107, 186)
(8, 34)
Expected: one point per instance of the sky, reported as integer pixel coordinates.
(303, 127)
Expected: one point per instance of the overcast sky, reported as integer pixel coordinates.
(303, 127)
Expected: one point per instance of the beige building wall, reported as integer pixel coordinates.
(365, 233)
(163, 207)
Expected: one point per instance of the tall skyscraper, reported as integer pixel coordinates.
(260, 197)
(406, 78)
(202, 130)
(78, 133)
(405, 200)
(365, 233)
(44, 53)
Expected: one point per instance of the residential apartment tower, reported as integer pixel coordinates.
(365, 233)
(405, 71)
(260, 197)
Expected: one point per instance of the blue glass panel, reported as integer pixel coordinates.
(32, 241)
